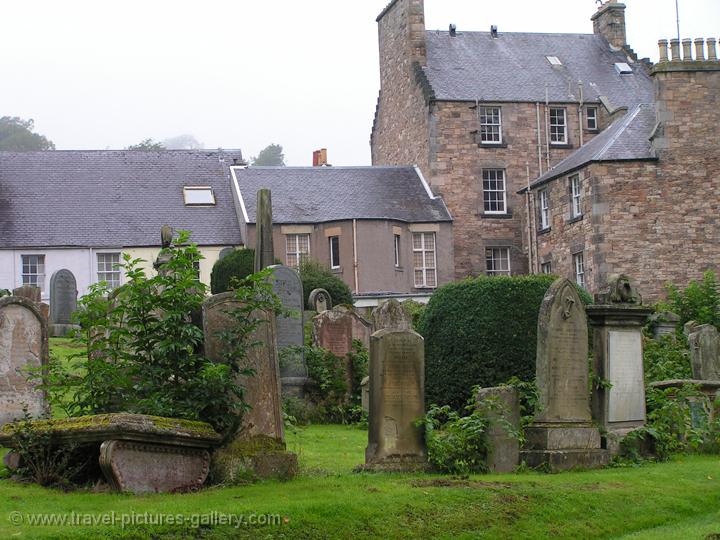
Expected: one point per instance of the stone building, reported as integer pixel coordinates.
(486, 114)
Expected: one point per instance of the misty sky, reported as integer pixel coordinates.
(245, 73)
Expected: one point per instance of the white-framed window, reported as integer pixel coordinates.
(579, 264)
(297, 249)
(575, 195)
(33, 270)
(544, 209)
(497, 261)
(424, 259)
(108, 269)
(334, 246)
(196, 268)
(558, 125)
(546, 268)
(490, 125)
(591, 117)
(494, 198)
(396, 246)
(198, 196)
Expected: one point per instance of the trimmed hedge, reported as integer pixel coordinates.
(481, 331)
(240, 263)
(315, 276)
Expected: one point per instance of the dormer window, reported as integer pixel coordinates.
(199, 196)
(623, 68)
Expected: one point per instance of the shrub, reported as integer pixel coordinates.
(237, 265)
(416, 310)
(666, 358)
(699, 302)
(481, 331)
(316, 276)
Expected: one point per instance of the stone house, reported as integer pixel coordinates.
(380, 229)
(486, 114)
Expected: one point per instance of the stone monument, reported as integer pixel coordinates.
(31, 292)
(319, 300)
(501, 404)
(397, 401)
(390, 314)
(665, 324)
(617, 318)
(704, 341)
(562, 435)
(264, 252)
(23, 345)
(63, 302)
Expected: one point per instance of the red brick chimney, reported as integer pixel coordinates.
(609, 22)
(320, 158)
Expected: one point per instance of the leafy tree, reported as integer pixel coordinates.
(270, 156)
(147, 145)
(17, 135)
(699, 301)
(182, 142)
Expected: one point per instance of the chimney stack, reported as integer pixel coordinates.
(609, 22)
(320, 158)
(453, 30)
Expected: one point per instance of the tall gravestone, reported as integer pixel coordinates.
(258, 449)
(287, 286)
(562, 435)
(63, 302)
(397, 401)
(264, 251)
(617, 318)
(704, 341)
(390, 314)
(23, 345)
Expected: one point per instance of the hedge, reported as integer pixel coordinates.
(316, 276)
(240, 263)
(481, 331)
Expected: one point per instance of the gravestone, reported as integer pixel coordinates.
(392, 315)
(501, 405)
(617, 320)
(704, 341)
(31, 292)
(264, 251)
(63, 302)
(665, 324)
(258, 448)
(287, 286)
(23, 345)
(562, 436)
(319, 300)
(365, 393)
(397, 401)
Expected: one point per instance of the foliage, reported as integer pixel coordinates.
(699, 301)
(666, 358)
(236, 265)
(328, 373)
(416, 311)
(4, 292)
(528, 397)
(316, 276)
(270, 156)
(147, 145)
(16, 135)
(481, 331)
(359, 361)
(182, 142)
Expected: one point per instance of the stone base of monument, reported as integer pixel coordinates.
(561, 447)
(258, 458)
(396, 463)
(61, 330)
(293, 386)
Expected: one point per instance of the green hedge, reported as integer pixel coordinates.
(481, 331)
(240, 263)
(315, 276)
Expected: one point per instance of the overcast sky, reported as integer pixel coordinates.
(246, 73)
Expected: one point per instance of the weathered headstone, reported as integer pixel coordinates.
(23, 345)
(365, 393)
(501, 404)
(31, 292)
(287, 286)
(704, 341)
(264, 251)
(392, 315)
(618, 320)
(665, 324)
(63, 302)
(258, 448)
(397, 401)
(562, 435)
(319, 300)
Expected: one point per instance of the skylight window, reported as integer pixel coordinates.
(623, 68)
(198, 196)
(554, 60)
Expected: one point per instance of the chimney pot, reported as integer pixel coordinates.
(712, 53)
(494, 31)
(687, 50)
(675, 49)
(453, 30)
(699, 49)
(663, 47)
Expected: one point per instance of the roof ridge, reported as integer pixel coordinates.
(500, 34)
(330, 168)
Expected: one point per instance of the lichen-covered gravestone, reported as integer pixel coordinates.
(704, 343)
(391, 314)
(562, 435)
(63, 302)
(319, 300)
(23, 345)
(397, 401)
(31, 292)
(258, 449)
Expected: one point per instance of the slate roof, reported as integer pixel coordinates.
(513, 67)
(112, 198)
(322, 194)
(628, 138)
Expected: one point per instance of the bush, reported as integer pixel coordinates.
(699, 302)
(481, 331)
(666, 358)
(416, 310)
(239, 264)
(316, 276)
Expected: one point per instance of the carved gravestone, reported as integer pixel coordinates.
(319, 300)
(23, 345)
(390, 314)
(63, 302)
(31, 292)
(397, 401)
(501, 405)
(259, 446)
(287, 286)
(617, 321)
(562, 436)
(704, 343)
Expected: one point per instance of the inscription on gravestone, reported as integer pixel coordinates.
(626, 396)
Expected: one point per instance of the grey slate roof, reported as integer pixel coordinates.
(112, 198)
(628, 138)
(513, 67)
(322, 194)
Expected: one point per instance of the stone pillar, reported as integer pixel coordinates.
(264, 253)
(687, 50)
(663, 47)
(675, 49)
(502, 406)
(712, 51)
(699, 49)
(617, 318)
